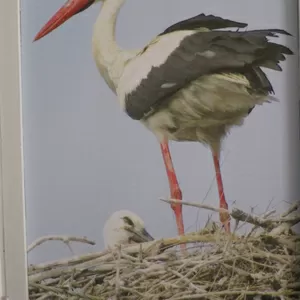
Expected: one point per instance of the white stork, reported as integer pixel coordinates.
(125, 227)
(192, 82)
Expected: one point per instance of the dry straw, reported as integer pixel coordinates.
(262, 264)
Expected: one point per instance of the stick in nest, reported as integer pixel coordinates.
(258, 266)
(65, 239)
(240, 215)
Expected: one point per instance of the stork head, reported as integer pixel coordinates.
(67, 11)
(125, 227)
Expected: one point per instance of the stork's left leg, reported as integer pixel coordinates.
(224, 217)
(174, 186)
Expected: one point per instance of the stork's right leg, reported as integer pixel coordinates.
(174, 186)
(224, 216)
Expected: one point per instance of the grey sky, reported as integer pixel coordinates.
(84, 158)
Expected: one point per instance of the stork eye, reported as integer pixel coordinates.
(90, 2)
(128, 221)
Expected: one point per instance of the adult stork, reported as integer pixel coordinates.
(192, 82)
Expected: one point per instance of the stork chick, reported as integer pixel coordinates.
(124, 227)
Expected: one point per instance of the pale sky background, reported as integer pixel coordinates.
(84, 158)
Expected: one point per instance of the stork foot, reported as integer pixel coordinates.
(225, 218)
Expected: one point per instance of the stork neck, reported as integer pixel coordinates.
(104, 30)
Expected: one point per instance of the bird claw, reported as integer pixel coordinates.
(225, 220)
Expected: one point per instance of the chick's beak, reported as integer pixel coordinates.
(140, 236)
(68, 10)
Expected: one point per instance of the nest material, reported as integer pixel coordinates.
(260, 265)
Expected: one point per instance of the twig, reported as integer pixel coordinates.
(246, 217)
(67, 262)
(188, 282)
(264, 216)
(118, 282)
(204, 206)
(237, 270)
(64, 239)
(240, 215)
(245, 293)
(47, 296)
(60, 291)
(293, 208)
(133, 291)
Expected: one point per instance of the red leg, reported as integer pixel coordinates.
(174, 186)
(224, 217)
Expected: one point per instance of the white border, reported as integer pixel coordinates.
(13, 258)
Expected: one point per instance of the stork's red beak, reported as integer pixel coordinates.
(69, 9)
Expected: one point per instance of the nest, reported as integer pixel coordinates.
(262, 264)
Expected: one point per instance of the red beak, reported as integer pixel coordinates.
(69, 9)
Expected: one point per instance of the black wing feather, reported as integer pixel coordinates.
(211, 22)
(233, 52)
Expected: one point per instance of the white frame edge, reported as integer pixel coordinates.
(13, 258)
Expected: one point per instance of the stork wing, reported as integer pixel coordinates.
(202, 21)
(197, 54)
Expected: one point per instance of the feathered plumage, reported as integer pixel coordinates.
(204, 51)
